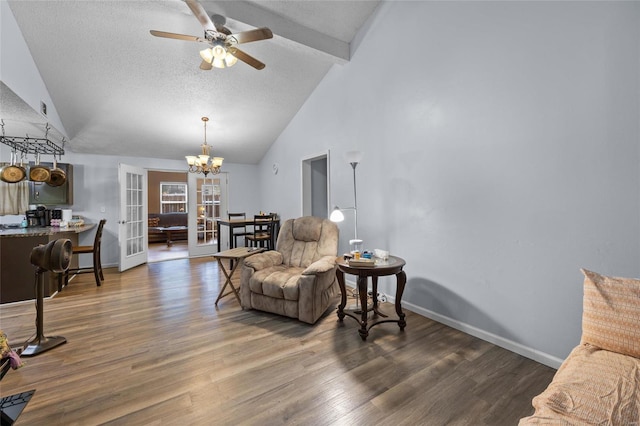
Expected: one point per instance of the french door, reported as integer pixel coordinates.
(207, 203)
(132, 226)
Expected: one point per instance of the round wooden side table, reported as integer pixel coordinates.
(392, 266)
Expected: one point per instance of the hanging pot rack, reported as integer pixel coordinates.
(28, 145)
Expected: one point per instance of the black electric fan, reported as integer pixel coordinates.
(55, 257)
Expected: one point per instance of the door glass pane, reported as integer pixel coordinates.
(208, 204)
(134, 210)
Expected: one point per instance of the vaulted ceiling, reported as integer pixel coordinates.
(120, 91)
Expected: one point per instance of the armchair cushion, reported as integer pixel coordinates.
(264, 260)
(325, 264)
(298, 278)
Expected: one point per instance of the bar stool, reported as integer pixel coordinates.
(96, 268)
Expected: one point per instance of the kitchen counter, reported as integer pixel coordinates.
(43, 231)
(17, 273)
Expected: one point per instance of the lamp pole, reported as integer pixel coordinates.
(355, 200)
(353, 158)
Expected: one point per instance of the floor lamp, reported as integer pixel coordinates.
(353, 158)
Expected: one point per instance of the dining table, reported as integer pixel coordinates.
(242, 223)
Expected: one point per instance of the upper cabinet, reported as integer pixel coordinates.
(43, 193)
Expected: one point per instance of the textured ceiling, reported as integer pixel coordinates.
(120, 91)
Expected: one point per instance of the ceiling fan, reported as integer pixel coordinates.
(222, 51)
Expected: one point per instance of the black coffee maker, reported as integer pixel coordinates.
(38, 217)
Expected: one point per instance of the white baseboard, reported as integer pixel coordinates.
(510, 345)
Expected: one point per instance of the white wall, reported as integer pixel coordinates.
(501, 154)
(95, 185)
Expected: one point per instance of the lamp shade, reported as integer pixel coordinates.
(353, 156)
(206, 55)
(218, 50)
(230, 60)
(336, 215)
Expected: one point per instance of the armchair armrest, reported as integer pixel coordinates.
(324, 264)
(264, 260)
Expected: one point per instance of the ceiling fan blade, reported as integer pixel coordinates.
(246, 58)
(177, 36)
(204, 65)
(200, 14)
(252, 35)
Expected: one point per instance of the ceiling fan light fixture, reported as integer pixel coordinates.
(206, 55)
(221, 52)
(218, 63)
(230, 60)
(218, 50)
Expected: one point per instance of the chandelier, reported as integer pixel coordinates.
(200, 163)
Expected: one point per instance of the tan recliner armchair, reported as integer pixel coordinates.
(298, 278)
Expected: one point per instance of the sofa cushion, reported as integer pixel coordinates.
(592, 386)
(611, 313)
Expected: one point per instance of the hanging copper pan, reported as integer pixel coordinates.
(38, 173)
(11, 173)
(58, 176)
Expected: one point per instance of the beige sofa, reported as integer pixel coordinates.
(599, 382)
(298, 278)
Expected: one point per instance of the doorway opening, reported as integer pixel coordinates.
(167, 202)
(315, 185)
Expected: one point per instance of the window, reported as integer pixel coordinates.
(173, 197)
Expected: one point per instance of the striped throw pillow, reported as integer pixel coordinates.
(611, 313)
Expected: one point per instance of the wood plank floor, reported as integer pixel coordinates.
(150, 347)
(157, 252)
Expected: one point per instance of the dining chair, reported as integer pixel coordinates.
(239, 231)
(96, 268)
(262, 231)
(275, 229)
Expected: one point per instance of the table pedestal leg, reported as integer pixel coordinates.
(362, 289)
(343, 293)
(374, 296)
(401, 279)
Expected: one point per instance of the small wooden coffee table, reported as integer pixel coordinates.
(169, 230)
(236, 256)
